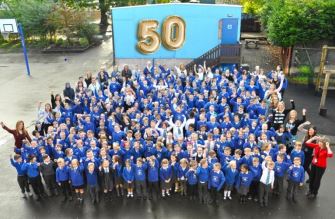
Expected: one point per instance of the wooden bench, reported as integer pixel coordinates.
(251, 41)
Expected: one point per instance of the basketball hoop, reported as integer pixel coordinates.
(5, 36)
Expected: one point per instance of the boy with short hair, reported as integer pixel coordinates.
(266, 182)
(22, 178)
(296, 177)
(216, 181)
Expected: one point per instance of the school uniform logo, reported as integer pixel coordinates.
(244, 179)
(295, 174)
(215, 179)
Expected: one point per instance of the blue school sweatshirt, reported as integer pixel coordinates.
(191, 177)
(92, 178)
(62, 174)
(76, 176)
(231, 176)
(182, 172)
(128, 174)
(257, 172)
(153, 173)
(165, 174)
(31, 168)
(244, 179)
(216, 180)
(140, 172)
(281, 168)
(203, 174)
(296, 174)
(300, 154)
(18, 167)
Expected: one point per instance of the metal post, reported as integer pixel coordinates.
(323, 109)
(20, 30)
(153, 66)
(322, 66)
(113, 39)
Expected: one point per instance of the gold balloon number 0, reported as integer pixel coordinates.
(173, 34)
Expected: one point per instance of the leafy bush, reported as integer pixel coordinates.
(83, 42)
(59, 42)
(88, 31)
(305, 70)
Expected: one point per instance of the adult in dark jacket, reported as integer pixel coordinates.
(69, 91)
(126, 73)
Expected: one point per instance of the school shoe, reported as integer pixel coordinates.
(30, 194)
(224, 198)
(163, 195)
(168, 194)
(128, 195)
(255, 200)
(229, 197)
(24, 195)
(307, 181)
(311, 196)
(132, 195)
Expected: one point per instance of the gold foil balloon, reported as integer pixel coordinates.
(173, 32)
(149, 40)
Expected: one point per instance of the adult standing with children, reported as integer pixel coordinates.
(321, 152)
(20, 134)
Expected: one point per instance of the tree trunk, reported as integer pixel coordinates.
(286, 55)
(103, 10)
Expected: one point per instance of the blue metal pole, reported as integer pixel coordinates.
(20, 29)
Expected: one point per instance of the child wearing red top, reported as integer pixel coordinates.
(321, 152)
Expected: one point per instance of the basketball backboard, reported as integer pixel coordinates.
(8, 26)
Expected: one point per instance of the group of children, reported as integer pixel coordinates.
(163, 132)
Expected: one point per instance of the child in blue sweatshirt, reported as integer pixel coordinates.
(297, 152)
(216, 181)
(182, 170)
(192, 180)
(92, 183)
(280, 169)
(117, 169)
(77, 179)
(295, 177)
(128, 177)
(140, 178)
(31, 167)
(22, 178)
(231, 174)
(243, 182)
(106, 179)
(153, 181)
(62, 179)
(203, 172)
(256, 170)
(165, 177)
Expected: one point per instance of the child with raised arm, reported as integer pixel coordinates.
(22, 178)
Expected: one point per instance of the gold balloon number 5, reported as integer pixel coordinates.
(173, 34)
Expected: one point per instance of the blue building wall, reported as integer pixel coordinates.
(202, 28)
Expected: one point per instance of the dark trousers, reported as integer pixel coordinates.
(94, 193)
(307, 163)
(66, 188)
(23, 183)
(264, 193)
(278, 185)
(191, 190)
(292, 189)
(44, 128)
(215, 195)
(253, 192)
(37, 185)
(203, 191)
(153, 189)
(315, 179)
(141, 188)
(183, 187)
(50, 182)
